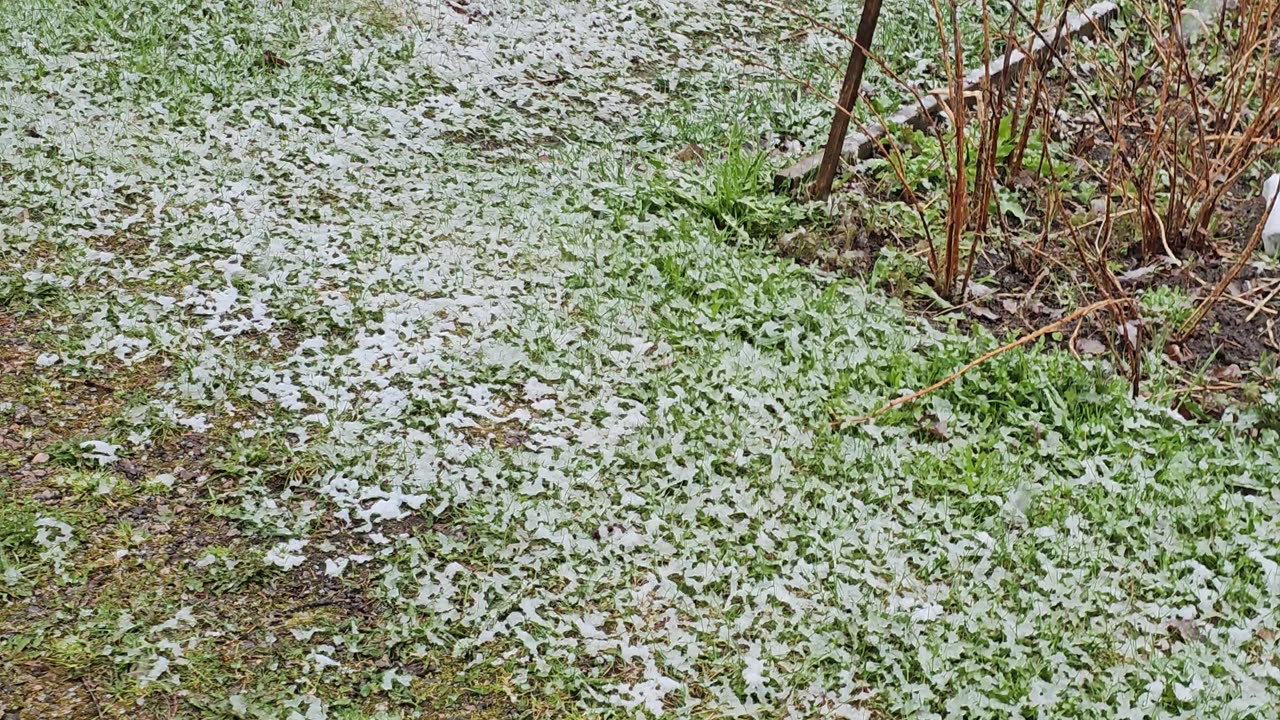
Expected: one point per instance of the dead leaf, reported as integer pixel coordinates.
(1025, 180)
(982, 312)
(1266, 635)
(462, 7)
(1187, 630)
(274, 60)
(1131, 331)
(1090, 346)
(1010, 306)
(1176, 353)
(23, 214)
(1230, 373)
(978, 292)
(1040, 308)
(937, 429)
(1136, 273)
(691, 153)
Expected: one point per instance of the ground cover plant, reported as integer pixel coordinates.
(383, 360)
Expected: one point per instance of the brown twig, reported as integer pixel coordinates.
(87, 382)
(1263, 304)
(897, 402)
(1219, 387)
(93, 696)
(1071, 343)
(1235, 299)
(1203, 309)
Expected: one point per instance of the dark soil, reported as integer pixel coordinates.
(1238, 330)
(1024, 279)
(244, 614)
(1231, 346)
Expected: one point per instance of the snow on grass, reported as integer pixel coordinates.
(565, 405)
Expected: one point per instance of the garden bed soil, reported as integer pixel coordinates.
(1232, 346)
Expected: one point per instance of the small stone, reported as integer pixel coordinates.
(40, 459)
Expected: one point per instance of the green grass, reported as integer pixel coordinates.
(161, 56)
(448, 373)
(101, 613)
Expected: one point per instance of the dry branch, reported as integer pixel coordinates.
(897, 402)
(919, 115)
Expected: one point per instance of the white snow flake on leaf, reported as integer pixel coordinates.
(287, 554)
(103, 453)
(456, 324)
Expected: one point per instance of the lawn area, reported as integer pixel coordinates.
(370, 359)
